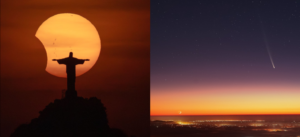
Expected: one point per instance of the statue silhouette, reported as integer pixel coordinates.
(71, 63)
(71, 116)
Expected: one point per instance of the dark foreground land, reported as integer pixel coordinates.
(224, 129)
(219, 132)
(70, 117)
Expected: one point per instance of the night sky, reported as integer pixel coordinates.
(120, 77)
(214, 57)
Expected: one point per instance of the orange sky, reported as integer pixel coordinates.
(226, 100)
(120, 77)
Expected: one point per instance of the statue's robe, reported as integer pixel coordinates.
(71, 63)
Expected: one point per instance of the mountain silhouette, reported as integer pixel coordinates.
(70, 117)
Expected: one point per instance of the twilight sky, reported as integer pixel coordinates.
(120, 77)
(214, 57)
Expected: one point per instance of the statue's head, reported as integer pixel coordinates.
(71, 55)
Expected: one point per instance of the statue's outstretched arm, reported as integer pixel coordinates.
(87, 60)
(54, 59)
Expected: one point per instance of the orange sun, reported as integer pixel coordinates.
(67, 32)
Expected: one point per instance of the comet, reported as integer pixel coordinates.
(267, 44)
(270, 55)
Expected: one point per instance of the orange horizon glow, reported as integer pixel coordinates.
(226, 100)
(228, 114)
(67, 32)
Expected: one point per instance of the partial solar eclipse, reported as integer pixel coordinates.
(67, 32)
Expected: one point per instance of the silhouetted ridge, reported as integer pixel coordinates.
(75, 117)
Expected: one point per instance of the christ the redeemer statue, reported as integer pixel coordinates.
(70, 63)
